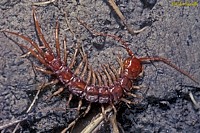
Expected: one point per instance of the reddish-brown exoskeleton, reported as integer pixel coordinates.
(107, 86)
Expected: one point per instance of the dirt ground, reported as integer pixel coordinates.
(172, 32)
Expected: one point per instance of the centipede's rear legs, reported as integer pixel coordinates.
(144, 59)
(166, 61)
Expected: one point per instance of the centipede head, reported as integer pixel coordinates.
(132, 67)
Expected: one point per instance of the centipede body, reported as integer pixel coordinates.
(102, 87)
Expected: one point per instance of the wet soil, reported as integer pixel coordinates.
(172, 32)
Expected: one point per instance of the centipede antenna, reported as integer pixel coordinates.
(40, 35)
(95, 33)
(146, 59)
(57, 39)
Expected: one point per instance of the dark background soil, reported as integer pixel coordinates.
(173, 32)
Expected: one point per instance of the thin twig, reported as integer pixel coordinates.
(93, 124)
(123, 19)
(11, 123)
(196, 104)
(28, 110)
(42, 3)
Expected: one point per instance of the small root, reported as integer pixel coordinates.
(94, 124)
(121, 16)
(196, 104)
(113, 122)
(28, 110)
(42, 3)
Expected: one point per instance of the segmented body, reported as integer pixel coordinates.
(96, 88)
(90, 91)
(96, 93)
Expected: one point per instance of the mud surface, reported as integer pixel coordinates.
(172, 32)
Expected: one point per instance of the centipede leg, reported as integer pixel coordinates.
(73, 58)
(65, 50)
(160, 59)
(120, 61)
(110, 82)
(87, 110)
(79, 105)
(56, 93)
(103, 112)
(71, 125)
(113, 76)
(57, 40)
(68, 101)
(39, 32)
(43, 70)
(137, 87)
(91, 79)
(103, 77)
(113, 120)
(84, 69)
(115, 72)
(89, 76)
(85, 66)
(132, 95)
(105, 83)
(99, 78)
(28, 53)
(38, 55)
(53, 82)
(127, 102)
(77, 70)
